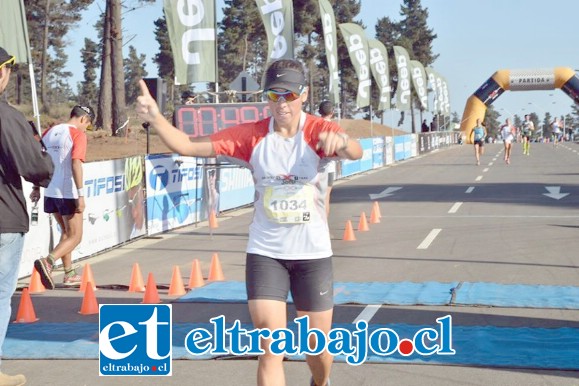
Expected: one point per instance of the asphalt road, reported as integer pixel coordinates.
(450, 221)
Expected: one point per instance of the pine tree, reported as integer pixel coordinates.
(88, 93)
(49, 21)
(134, 70)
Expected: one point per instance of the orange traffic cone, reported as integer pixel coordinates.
(136, 284)
(36, 286)
(87, 277)
(376, 207)
(349, 232)
(375, 215)
(177, 287)
(213, 220)
(215, 271)
(26, 312)
(151, 293)
(363, 224)
(89, 305)
(196, 277)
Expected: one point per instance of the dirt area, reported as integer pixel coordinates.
(102, 146)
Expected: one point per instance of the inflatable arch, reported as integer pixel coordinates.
(516, 80)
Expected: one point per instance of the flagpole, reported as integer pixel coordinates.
(30, 69)
(216, 52)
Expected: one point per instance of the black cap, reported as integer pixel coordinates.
(4, 56)
(287, 78)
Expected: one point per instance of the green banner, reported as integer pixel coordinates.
(357, 45)
(419, 82)
(14, 30)
(278, 19)
(431, 74)
(380, 72)
(403, 88)
(331, 43)
(192, 30)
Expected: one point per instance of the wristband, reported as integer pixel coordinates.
(80, 192)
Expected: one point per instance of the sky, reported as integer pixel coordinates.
(475, 38)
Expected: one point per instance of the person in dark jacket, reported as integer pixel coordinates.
(21, 156)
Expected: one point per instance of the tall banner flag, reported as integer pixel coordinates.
(13, 29)
(446, 98)
(331, 43)
(419, 82)
(440, 95)
(431, 74)
(278, 19)
(357, 45)
(403, 88)
(14, 39)
(379, 66)
(192, 30)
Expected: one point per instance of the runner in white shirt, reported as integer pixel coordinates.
(64, 197)
(289, 245)
(556, 130)
(508, 133)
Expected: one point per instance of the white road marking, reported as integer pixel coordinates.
(367, 313)
(470, 189)
(478, 178)
(429, 239)
(455, 207)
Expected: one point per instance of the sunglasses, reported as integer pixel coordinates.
(275, 96)
(9, 63)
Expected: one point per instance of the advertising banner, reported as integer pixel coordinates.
(278, 19)
(114, 210)
(331, 44)
(403, 87)
(174, 192)
(379, 65)
(192, 31)
(355, 39)
(420, 82)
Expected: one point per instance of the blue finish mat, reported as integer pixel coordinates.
(487, 346)
(517, 295)
(408, 293)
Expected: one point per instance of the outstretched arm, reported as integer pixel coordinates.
(173, 138)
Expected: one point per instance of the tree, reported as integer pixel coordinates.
(88, 93)
(492, 122)
(49, 21)
(242, 41)
(134, 70)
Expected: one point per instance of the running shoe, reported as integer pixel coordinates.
(72, 279)
(44, 268)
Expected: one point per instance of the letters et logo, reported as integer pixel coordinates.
(135, 339)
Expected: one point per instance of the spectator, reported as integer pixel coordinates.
(21, 156)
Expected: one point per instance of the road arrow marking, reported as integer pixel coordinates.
(555, 192)
(385, 193)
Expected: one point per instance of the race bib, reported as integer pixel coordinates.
(289, 204)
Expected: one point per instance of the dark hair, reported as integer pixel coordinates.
(80, 111)
(326, 108)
